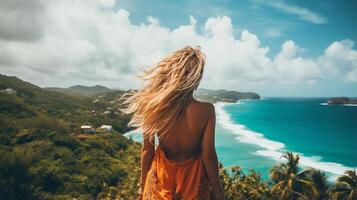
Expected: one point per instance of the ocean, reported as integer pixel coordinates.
(255, 133)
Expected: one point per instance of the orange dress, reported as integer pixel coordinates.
(172, 180)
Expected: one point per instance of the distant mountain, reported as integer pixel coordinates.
(223, 95)
(82, 90)
(31, 100)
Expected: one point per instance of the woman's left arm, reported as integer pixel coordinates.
(147, 155)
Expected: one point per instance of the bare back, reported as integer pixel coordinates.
(184, 140)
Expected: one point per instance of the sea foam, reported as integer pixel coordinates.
(134, 135)
(243, 134)
(272, 149)
(326, 104)
(350, 104)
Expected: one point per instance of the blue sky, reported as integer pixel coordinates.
(272, 25)
(275, 48)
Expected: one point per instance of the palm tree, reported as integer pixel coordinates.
(289, 183)
(346, 186)
(318, 179)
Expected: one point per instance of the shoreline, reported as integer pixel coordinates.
(260, 145)
(273, 149)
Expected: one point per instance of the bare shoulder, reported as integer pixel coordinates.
(205, 107)
(211, 109)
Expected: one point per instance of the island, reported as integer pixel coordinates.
(213, 96)
(341, 101)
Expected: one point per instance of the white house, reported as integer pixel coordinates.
(87, 129)
(107, 127)
(9, 91)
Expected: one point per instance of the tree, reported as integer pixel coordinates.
(346, 186)
(289, 183)
(239, 186)
(16, 179)
(318, 178)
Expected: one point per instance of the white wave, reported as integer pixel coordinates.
(131, 133)
(350, 104)
(134, 134)
(326, 104)
(272, 149)
(243, 134)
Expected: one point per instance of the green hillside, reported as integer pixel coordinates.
(81, 90)
(44, 155)
(224, 95)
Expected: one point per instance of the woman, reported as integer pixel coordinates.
(184, 165)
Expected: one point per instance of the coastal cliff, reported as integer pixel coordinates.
(224, 95)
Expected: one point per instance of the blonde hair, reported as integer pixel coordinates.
(169, 89)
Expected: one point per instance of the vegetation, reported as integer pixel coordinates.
(45, 155)
(346, 186)
(82, 90)
(287, 182)
(238, 185)
(224, 95)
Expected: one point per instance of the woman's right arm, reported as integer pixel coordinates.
(209, 154)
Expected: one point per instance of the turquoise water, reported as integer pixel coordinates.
(325, 136)
(254, 134)
(231, 152)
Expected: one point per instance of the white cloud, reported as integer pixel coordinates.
(303, 13)
(340, 59)
(87, 42)
(20, 20)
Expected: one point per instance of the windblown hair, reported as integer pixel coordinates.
(167, 93)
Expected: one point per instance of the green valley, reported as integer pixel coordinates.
(44, 154)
